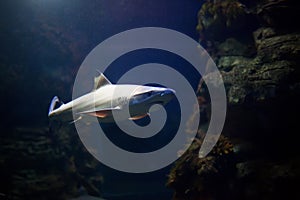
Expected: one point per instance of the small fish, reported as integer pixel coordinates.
(107, 97)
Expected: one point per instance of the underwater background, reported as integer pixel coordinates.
(254, 43)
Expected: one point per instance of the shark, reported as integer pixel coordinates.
(106, 97)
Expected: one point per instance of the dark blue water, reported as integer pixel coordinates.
(43, 43)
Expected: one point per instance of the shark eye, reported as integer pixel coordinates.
(145, 95)
(148, 94)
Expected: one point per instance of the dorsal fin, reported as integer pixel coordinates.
(100, 81)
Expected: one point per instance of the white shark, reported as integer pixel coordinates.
(107, 97)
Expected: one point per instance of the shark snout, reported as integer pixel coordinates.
(168, 91)
(165, 96)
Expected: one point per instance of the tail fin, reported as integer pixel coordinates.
(53, 104)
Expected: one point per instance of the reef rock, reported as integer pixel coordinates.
(38, 163)
(192, 177)
(257, 53)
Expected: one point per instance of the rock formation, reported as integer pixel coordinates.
(256, 45)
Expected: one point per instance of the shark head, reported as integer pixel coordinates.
(145, 96)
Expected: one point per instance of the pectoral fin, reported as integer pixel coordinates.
(137, 117)
(100, 113)
(74, 121)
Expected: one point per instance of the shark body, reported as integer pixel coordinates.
(107, 97)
